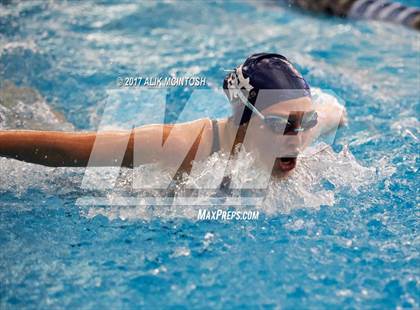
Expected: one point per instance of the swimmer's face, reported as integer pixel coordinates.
(280, 145)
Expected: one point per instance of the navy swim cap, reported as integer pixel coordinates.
(263, 71)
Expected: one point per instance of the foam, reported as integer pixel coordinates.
(24, 108)
(304, 188)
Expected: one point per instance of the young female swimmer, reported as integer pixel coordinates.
(382, 10)
(273, 115)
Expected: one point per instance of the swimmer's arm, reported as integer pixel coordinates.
(111, 148)
(331, 115)
(61, 149)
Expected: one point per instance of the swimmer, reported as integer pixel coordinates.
(272, 110)
(365, 9)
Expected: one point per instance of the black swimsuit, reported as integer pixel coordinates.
(216, 148)
(216, 140)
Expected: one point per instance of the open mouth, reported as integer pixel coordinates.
(285, 163)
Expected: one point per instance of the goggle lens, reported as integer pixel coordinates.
(282, 125)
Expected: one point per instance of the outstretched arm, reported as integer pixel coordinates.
(70, 149)
(170, 145)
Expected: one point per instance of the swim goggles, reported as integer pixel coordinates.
(291, 125)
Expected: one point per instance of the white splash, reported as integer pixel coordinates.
(304, 188)
(24, 108)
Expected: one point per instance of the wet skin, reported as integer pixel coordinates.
(279, 151)
(145, 144)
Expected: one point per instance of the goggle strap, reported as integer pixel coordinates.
(249, 105)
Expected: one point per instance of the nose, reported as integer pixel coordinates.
(293, 124)
(292, 145)
(293, 141)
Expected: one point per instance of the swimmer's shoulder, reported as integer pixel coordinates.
(201, 129)
(181, 135)
(194, 138)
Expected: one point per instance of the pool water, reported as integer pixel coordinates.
(341, 232)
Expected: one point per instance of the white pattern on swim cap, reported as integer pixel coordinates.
(236, 82)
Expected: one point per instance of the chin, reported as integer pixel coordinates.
(279, 174)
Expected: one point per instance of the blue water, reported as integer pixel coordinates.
(359, 249)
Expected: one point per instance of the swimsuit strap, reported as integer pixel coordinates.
(216, 140)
